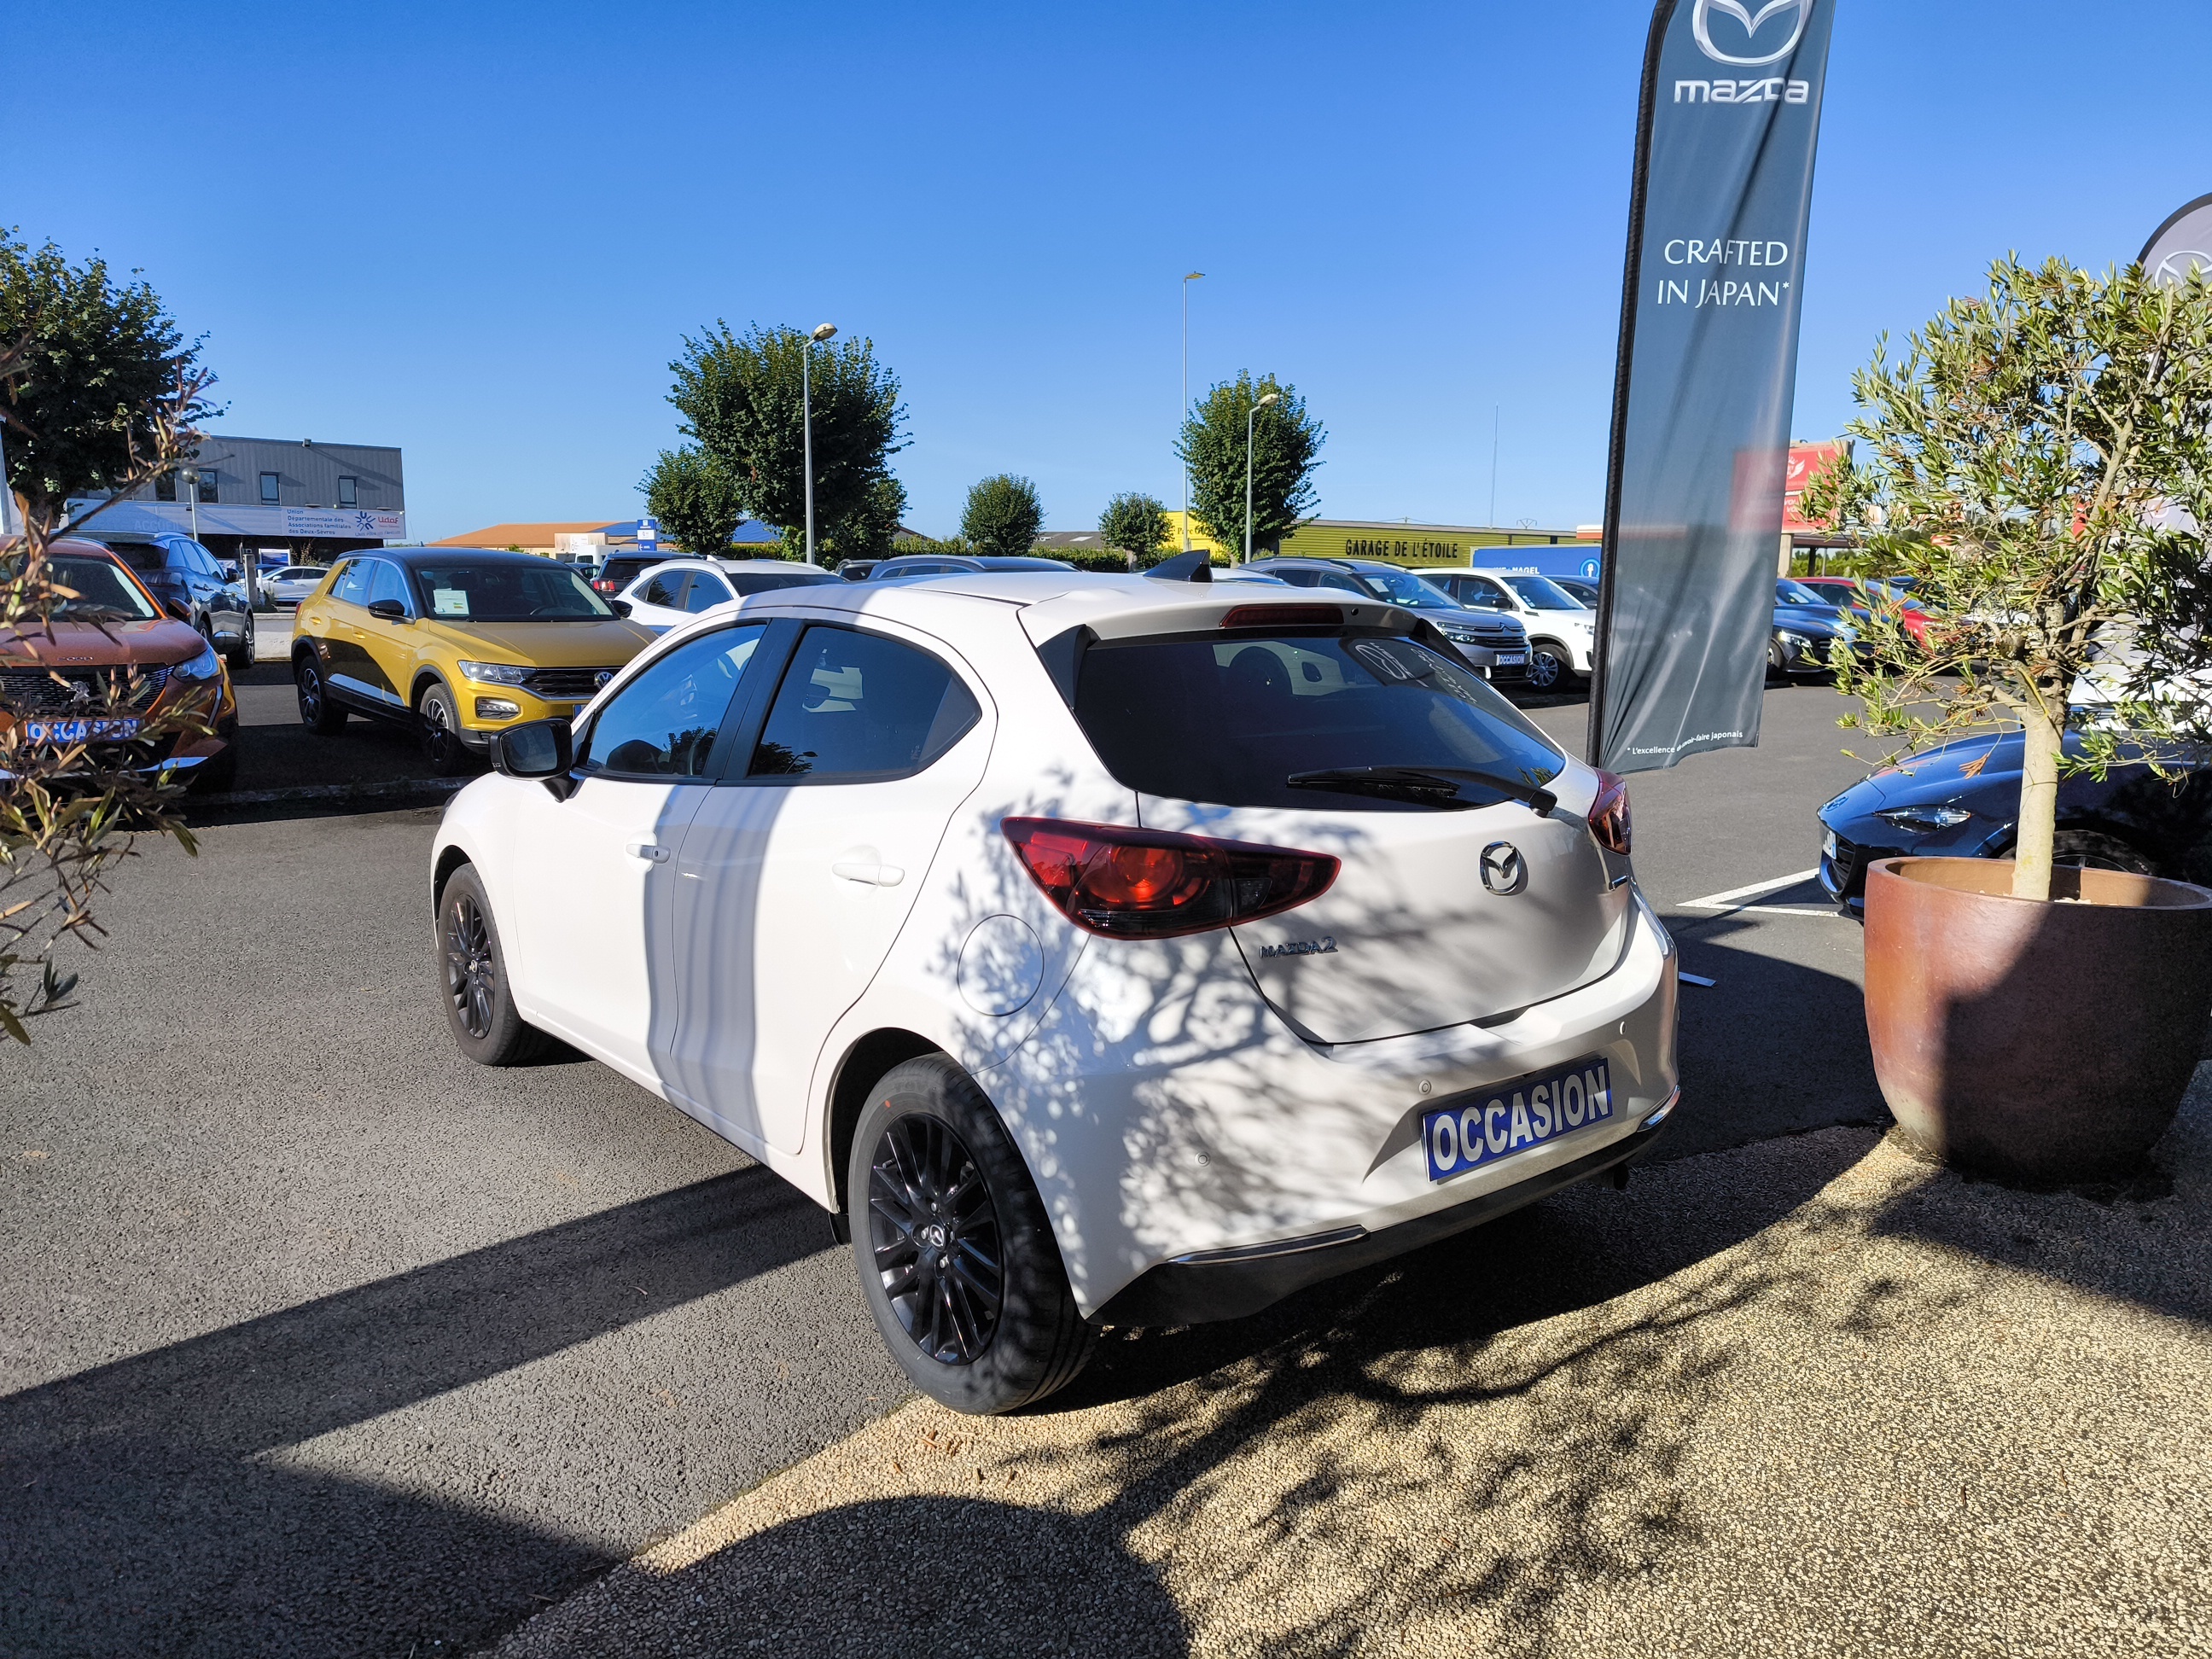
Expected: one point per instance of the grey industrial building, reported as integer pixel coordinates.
(306, 499)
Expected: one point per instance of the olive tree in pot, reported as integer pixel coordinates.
(2039, 462)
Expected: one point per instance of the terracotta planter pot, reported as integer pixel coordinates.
(2039, 1044)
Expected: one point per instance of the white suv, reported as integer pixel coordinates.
(1096, 949)
(1562, 630)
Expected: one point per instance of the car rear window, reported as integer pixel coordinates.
(1227, 718)
(623, 572)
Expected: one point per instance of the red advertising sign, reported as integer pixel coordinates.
(1807, 463)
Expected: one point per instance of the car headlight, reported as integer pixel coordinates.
(496, 673)
(1924, 820)
(206, 667)
(1795, 641)
(1462, 636)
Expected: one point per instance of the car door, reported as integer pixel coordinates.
(799, 868)
(337, 623)
(592, 873)
(388, 642)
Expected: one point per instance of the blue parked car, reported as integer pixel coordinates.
(1962, 798)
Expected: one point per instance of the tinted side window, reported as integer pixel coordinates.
(663, 723)
(204, 561)
(855, 706)
(352, 584)
(706, 590)
(1296, 578)
(386, 582)
(666, 590)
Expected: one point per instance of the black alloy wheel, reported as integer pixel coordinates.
(935, 1234)
(2091, 849)
(472, 971)
(441, 733)
(318, 712)
(472, 975)
(240, 656)
(956, 1253)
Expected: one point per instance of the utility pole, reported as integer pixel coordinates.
(806, 417)
(1496, 410)
(1250, 415)
(1183, 414)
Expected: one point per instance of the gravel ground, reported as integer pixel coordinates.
(1810, 1396)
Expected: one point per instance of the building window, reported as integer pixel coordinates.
(208, 494)
(165, 487)
(346, 493)
(269, 487)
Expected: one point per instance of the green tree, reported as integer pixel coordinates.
(1003, 515)
(739, 395)
(103, 379)
(2040, 463)
(865, 532)
(98, 393)
(1137, 525)
(1285, 449)
(694, 499)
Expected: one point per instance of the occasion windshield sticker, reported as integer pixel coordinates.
(1527, 1112)
(450, 601)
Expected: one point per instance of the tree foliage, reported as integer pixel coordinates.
(866, 532)
(2039, 462)
(1285, 449)
(98, 392)
(694, 500)
(740, 397)
(97, 368)
(1137, 525)
(1003, 515)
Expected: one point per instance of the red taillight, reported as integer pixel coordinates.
(1284, 616)
(1608, 813)
(606, 588)
(1154, 884)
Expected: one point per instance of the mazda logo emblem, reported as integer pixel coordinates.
(1701, 27)
(1505, 872)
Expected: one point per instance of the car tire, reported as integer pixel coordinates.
(240, 656)
(1776, 662)
(2091, 849)
(442, 747)
(1551, 667)
(472, 969)
(320, 712)
(944, 1215)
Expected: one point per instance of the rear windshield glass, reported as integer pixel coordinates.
(1228, 721)
(138, 556)
(540, 590)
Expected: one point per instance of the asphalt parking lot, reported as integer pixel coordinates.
(321, 1341)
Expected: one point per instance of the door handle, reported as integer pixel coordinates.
(875, 875)
(651, 851)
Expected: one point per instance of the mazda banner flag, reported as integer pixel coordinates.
(2182, 243)
(1708, 366)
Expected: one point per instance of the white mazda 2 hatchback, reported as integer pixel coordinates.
(1096, 949)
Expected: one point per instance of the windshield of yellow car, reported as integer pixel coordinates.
(506, 592)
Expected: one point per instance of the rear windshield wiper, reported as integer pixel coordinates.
(1434, 786)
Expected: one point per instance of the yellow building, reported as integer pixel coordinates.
(1393, 541)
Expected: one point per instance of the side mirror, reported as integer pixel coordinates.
(390, 610)
(620, 607)
(536, 749)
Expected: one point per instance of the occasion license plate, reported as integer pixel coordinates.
(1529, 1111)
(1512, 659)
(67, 732)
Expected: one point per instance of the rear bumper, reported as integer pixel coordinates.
(1230, 1285)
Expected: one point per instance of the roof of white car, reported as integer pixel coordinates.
(1050, 601)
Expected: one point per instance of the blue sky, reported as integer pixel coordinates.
(479, 231)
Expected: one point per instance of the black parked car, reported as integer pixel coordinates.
(1962, 801)
(189, 581)
(1493, 641)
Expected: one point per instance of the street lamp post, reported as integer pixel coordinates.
(1183, 414)
(1250, 415)
(806, 415)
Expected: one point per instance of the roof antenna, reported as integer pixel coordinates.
(1195, 566)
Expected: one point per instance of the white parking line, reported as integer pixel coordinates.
(1737, 901)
